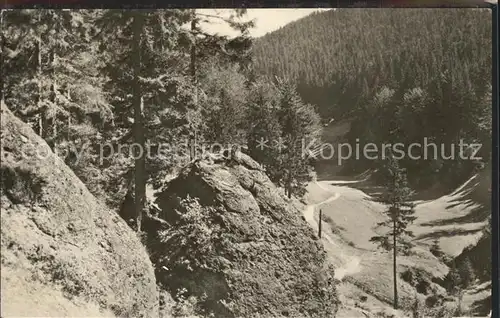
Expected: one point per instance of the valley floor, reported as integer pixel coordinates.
(365, 272)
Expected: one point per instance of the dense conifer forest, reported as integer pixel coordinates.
(411, 73)
(151, 168)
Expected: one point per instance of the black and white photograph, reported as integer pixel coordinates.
(247, 162)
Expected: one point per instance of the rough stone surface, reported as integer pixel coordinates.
(248, 252)
(62, 252)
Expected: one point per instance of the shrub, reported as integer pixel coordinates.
(185, 306)
(436, 249)
(418, 279)
(453, 281)
(416, 308)
(434, 300)
(419, 309)
(467, 273)
(460, 277)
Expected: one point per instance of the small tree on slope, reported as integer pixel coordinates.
(299, 124)
(400, 213)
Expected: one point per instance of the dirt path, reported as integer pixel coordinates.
(351, 263)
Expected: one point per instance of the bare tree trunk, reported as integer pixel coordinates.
(193, 52)
(193, 78)
(139, 131)
(53, 88)
(319, 222)
(192, 138)
(2, 53)
(42, 121)
(395, 273)
(459, 310)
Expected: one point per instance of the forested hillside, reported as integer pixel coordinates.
(91, 81)
(399, 75)
(127, 99)
(196, 141)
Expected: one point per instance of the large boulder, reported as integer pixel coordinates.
(238, 246)
(62, 252)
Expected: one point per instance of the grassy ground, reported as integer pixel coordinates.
(445, 218)
(350, 222)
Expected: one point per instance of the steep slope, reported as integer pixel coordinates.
(457, 219)
(443, 214)
(63, 253)
(338, 57)
(350, 220)
(400, 76)
(476, 195)
(239, 245)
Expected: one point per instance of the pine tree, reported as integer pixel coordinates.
(436, 248)
(467, 273)
(264, 127)
(51, 81)
(3, 43)
(218, 65)
(300, 124)
(400, 213)
(47, 74)
(153, 46)
(454, 279)
(227, 50)
(224, 106)
(344, 71)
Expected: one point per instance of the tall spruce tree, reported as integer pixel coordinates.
(218, 67)
(224, 105)
(300, 124)
(48, 78)
(263, 126)
(146, 52)
(226, 49)
(400, 213)
(467, 273)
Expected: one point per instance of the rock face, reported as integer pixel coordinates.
(63, 253)
(239, 246)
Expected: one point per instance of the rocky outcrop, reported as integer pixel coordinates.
(62, 252)
(238, 245)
